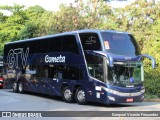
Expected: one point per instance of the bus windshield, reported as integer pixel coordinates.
(120, 43)
(126, 73)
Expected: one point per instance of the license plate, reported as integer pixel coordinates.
(129, 100)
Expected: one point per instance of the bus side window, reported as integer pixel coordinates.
(55, 44)
(73, 73)
(51, 71)
(41, 71)
(90, 41)
(59, 75)
(95, 66)
(69, 44)
(54, 72)
(42, 46)
(32, 47)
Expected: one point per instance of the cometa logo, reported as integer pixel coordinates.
(59, 59)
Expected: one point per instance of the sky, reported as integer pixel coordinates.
(51, 5)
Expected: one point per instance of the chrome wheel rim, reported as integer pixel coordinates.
(81, 96)
(14, 86)
(67, 94)
(20, 87)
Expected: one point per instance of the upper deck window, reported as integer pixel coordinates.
(90, 41)
(69, 44)
(120, 43)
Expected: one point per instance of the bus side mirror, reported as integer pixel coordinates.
(152, 60)
(110, 60)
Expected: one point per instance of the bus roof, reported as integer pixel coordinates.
(66, 33)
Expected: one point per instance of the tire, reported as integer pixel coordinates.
(20, 87)
(1, 87)
(15, 87)
(67, 95)
(80, 96)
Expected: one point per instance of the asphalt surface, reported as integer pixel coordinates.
(10, 101)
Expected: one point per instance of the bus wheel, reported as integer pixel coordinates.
(80, 96)
(20, 87)
(15, 87)
(67, 95)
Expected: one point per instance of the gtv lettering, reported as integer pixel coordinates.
(59, 59)
(13, 55)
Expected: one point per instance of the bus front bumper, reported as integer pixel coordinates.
(113, 99)
(121, 97)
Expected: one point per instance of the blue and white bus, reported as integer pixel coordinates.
(102, 66)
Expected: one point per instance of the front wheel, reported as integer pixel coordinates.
(80, 96)
(67, 95)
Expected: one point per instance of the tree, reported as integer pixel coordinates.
(28, 31)
(12, 25)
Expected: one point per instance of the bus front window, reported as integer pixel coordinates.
(120, 43)
(126, 74)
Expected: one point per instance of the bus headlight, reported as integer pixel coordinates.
(110, 90)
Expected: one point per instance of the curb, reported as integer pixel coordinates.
(152, 100)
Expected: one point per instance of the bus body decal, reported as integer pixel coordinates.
(59, 59)
(13, 57)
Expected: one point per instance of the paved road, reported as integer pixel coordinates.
(10, 101)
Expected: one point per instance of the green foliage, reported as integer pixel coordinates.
(141, 18)
(16, 9)
(28, 31)
(152, 81)
(150, 96)
(2, 17)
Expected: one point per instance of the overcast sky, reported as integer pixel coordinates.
(51, 5)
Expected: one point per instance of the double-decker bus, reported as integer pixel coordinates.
(102, 66)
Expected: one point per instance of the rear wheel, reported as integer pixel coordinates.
(20, 87)
(80, 96)
(67, 95)
(15, 87)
